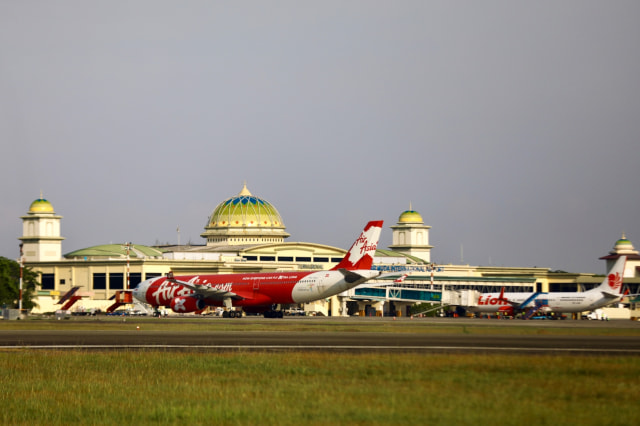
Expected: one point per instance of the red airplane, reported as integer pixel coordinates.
(259, 292)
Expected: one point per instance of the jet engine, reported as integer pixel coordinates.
(184, 304)
(506, 310)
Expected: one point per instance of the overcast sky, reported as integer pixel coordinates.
(512, 127)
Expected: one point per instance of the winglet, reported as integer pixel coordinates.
(501, 297)
(512, 303)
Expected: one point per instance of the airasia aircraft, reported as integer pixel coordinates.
(259, 292)
(609, 291)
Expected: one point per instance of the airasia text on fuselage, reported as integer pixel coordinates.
(169, 290)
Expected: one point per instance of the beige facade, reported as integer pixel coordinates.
(246, 234)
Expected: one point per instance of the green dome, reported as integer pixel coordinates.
(623, 243)
(41, 206)
(245, 210)
(410, 216)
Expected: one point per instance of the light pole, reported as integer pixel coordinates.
(127, 247)
(20, 293)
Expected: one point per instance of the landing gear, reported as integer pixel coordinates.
(232, 314)
(276, 311)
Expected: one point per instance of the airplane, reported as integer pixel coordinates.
(400, 279)
(609, 291)
(260, 292)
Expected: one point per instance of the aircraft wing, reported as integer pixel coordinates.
(519, 305)
(504, 299)
(611, 295)
(207, 291)
(352, 276)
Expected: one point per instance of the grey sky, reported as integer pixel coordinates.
(513, 127)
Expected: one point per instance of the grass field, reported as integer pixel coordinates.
(287, 388)
(53, 387)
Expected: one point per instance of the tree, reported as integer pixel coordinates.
(10, 284)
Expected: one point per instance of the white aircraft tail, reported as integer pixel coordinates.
(361, 253)
(612, 284)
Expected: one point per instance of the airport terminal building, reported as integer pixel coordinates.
(246, 233)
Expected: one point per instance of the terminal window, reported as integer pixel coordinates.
(116, 281)
(99, 281)
(135, 278)
(48, 282)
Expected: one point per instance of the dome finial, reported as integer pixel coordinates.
(245, 191)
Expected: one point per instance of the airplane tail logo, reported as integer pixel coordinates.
(613, 281)
(361, 253)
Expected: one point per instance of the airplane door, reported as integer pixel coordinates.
(321, 283)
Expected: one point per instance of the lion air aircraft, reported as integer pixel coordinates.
(609, 291)
(259, 292)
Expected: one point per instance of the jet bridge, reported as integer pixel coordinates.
(395, 292)
(462, 291)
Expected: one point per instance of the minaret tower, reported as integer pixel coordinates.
(411, 236)
(41, 240)
(623, 247)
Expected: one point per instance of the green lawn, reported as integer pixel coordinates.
(320, 388)
(61, 387)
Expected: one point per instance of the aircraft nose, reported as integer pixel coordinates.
(140, 291)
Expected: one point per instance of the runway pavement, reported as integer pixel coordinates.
(341, 341)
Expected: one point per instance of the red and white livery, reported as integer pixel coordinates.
(259, 292)
(608, 292)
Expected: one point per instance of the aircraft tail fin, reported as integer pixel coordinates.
(400, 279)
(612, 284)
(361, 253)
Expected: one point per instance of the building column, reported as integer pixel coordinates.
(343, 306)
(362, 306)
